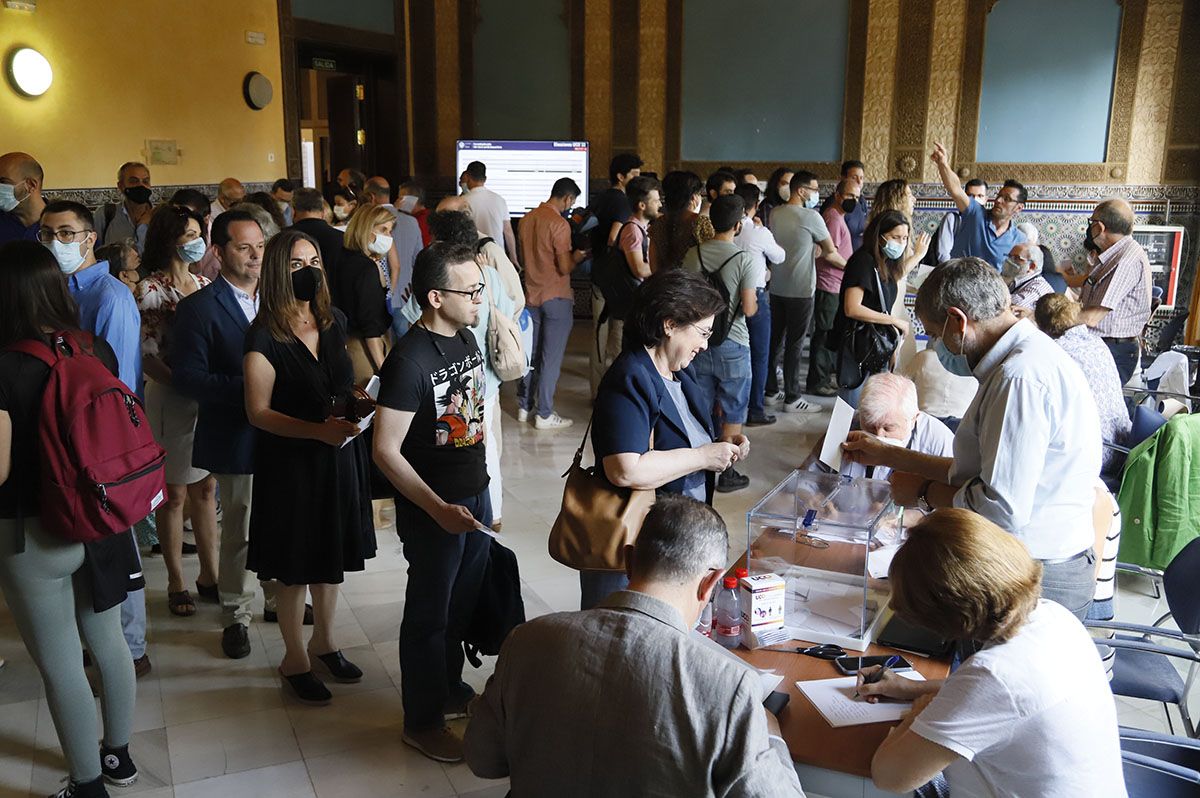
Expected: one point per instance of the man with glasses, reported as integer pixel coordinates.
(989, 235)
(1027, 452)
(108, 310)
(549, 258)
(21, 202)
(1115, 294)
(430, 443)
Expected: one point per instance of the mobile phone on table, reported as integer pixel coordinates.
(850, 665)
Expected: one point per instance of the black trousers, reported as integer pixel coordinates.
(790, 317)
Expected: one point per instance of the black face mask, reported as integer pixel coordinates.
(305, 283)
(849, 204)
(138, 195)
(1089, 243)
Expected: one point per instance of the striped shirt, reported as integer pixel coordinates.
(1026, 294)
(1121, 283)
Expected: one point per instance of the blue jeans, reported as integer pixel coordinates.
(552, 323)
(723, 375)
(444, 575)
(759, 326)
(1071, 584)
(596, 586)
(1125, 355)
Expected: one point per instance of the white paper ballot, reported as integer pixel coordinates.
(835, 699)
(835, 434)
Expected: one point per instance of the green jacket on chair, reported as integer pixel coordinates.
(1160, 494)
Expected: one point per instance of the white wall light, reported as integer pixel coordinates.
(29, 72)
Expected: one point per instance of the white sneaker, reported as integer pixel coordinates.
(774, 400)
(798, 405)
(552, 421)
(522, 415)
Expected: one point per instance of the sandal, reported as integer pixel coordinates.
(181, 604)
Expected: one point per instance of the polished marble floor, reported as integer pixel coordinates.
(208, 726)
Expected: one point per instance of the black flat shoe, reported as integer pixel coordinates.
(308, 689)
(208, 592)
(341, 669)
(761, 421)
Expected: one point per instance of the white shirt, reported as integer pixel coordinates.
(945, 235)
(490, 212)
(760, 243)
(1028, 450)
(1030, 716)
(248, 304)
(929, 436)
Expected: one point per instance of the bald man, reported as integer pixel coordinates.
(1115, 294)
(229, 193)
(21, 202)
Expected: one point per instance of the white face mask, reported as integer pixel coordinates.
(407, 203)
(785, 192)
(283, 206)
(8, 197)
(380, 244)
(341, 212)
(69, 256)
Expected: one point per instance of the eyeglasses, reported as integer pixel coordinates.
(705, 334)
(62, 236)
(472, 294)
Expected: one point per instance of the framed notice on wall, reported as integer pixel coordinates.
(1164, 248)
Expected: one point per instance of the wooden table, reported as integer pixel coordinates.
(812, 741)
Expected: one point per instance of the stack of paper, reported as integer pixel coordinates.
(838, 703)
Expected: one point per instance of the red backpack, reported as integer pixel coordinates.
(101, 469)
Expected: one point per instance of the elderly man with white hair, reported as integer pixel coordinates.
(1022, 270)
(888, 410)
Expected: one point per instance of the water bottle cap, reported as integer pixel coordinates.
(730, 581)
(742, 573)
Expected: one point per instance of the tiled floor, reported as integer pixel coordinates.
(209, 726)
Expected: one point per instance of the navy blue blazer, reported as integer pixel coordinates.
(632, 397)
(208, 340)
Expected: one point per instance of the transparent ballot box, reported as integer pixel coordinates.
(818, 531)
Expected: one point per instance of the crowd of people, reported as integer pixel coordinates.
(261, 328)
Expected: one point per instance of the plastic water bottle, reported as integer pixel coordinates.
(727, 622)
(704, 625)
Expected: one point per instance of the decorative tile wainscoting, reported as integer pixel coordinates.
(94, 197)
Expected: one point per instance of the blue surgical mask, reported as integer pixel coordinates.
(955, 364)
(893, 249)
(8, 197)
(813, 198)
(193, 251)
(69, 256)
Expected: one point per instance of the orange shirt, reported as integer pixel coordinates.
(544, 233)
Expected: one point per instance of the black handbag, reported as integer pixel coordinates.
(866, 348)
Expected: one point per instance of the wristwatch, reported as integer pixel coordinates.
(923, 500)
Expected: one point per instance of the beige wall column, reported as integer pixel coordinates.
(446, 56)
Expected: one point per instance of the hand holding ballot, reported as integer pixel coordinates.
(867, 449)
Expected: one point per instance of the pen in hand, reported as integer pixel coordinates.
(879, 674)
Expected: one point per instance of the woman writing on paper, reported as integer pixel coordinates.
(1029, 714)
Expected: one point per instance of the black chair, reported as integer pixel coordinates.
(1145, 669)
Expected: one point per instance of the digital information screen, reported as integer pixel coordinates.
(1164, 249)
(524, 171)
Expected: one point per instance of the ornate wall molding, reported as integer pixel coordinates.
(1155, 81)
(1183, 143)
(653, 45)
(945, 77)
(95, 197)
(448, 71)
(1115, 166)
(598, 82)
(856, 70)
(883, 26)
(911, 90)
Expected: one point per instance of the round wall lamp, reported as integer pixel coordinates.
(29, 72)
(257, 90)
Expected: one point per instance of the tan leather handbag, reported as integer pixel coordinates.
(597, 519)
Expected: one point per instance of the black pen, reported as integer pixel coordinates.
(879, 674)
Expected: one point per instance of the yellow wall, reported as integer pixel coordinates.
(130, 70)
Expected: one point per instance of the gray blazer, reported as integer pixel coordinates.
(623, 700)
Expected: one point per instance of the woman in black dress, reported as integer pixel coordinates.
(877, 266)
(311, 518)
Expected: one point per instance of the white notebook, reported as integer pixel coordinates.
(835, 700)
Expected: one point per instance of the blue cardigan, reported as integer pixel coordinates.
(632, 397)
(208, 340)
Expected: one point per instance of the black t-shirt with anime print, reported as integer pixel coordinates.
(440, 379)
